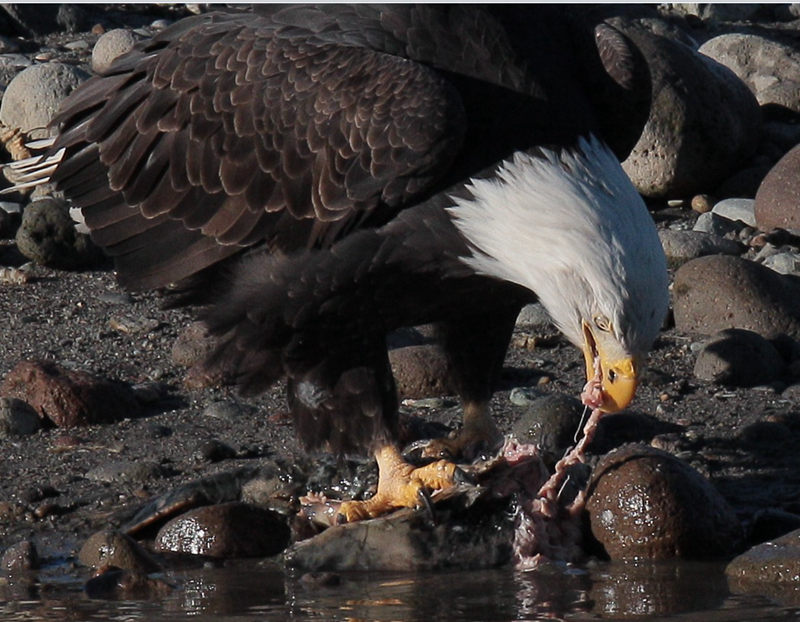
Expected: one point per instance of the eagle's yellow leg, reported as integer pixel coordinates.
(400, 485)
(478, 431)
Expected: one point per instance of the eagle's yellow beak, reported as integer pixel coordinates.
(619, 372)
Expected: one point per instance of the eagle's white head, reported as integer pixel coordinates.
(570, 226)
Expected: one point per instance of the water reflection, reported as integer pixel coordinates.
(252, 591)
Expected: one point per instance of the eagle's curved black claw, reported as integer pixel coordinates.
(426, 504)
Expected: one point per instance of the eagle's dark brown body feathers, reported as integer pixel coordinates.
(291, 170)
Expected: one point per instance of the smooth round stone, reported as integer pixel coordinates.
(645, 503)
(225, 531)
(738, 358)
(113, 548)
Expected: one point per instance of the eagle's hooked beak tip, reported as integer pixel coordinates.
(618, 377)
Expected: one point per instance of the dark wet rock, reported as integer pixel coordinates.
(645, 503)
(214, 450)
(778, 198)
(420, 371)
(69, 397)
(225, 531)
(621, 428)
(123, 584)
(703, 120)
(479, 536)
(138, 472)
(772, 523)
(717, 292)
(681, 246)
(112, 44)
(47, 236)
(773, 562)
(315, 580)
(770, 68)
(17, 418)
(33, 96)
(20, 557)
(550, 423)
(739, 358)
(36, 20)
(112, 548)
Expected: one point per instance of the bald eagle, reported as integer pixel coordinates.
(312, 178)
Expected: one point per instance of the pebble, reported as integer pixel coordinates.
(742, 210)
(33, 96)
(113, 548)
(129, 472)
(738, 358)
(421, 371)
(645, 503)
(784, 262)
(214, 450)
(681, 246)
(224, 531)
(224, 410)
(716, 225)
(20, 557)
(69, 397)
(17, 418)
(702, 203)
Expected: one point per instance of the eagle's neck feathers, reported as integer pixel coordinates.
(571, 227)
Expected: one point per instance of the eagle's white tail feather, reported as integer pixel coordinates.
(35, 170)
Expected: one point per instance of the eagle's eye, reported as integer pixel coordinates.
(603, 323)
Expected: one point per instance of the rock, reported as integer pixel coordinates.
(741, 210)
(771, 523)
(785, 262)
(702, 203)
(717, 292)
(125, 471)
(226, 411)
(20, 557)
(17, 418)
(193, 345)
(550, 423)
(112, 548)
(738, 358)
(712, 224)
(33, 96)
(214, 450)
(407, 540)
(777, 202)
(66, 397)
(744, 182)
(115, 583)
(644, 503)
(112, 44)
(774, 562)
(681, 246)
(48, 237)
(224, 531)
(420, 371)
(770, 68)
(703, 121)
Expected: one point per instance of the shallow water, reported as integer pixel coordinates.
(252, 591)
